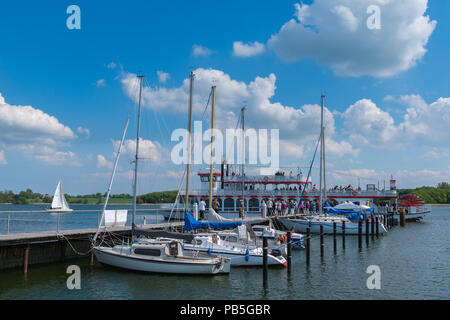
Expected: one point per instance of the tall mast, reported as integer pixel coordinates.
(324, 168)
(186, 201)
(212, 148)
(111, 180)
(321, 155)
(141, 77)
(243, 155)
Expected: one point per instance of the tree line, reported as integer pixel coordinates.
(29, 197)
(430, 195)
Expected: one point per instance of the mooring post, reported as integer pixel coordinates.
(289, 244)
(91, 258)
(308, 247)
(7, 226)
(359, 234)
(343, 235)
(98, 219)
(402, 217)
(57, 222)
(265, 249)
(145, 220)
(25, 259)
(373, 227)
(377, 226)
(367, 231)
(334, 238)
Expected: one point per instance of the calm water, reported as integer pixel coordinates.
(413, 260)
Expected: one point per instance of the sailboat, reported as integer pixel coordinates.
(159, 256)
(59, 203)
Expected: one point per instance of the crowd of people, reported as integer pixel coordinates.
(274, 207)
(282, 207)
(347, 188)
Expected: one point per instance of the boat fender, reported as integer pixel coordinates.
(209, 251)
(247, 255)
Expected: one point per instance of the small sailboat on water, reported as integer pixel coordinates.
(59, 203)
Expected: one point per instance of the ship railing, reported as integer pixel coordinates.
(261, 178)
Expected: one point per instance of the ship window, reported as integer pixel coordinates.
(232, 239)
(148, 252)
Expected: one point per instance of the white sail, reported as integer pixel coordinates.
(57, 203)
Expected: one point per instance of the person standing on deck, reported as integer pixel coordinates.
(283, 208)
(292, 206)
(270, 207)
(216, 205)
(264, 208)
(201, 208)
(302, 207)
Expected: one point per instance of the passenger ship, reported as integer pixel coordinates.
(229, 189)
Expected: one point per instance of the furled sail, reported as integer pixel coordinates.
(213, 216)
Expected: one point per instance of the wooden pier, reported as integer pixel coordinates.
(19, 250)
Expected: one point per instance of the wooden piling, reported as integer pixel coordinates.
(359, 234)
(377, 226)
(91, 258)
(308, 247)
(367, 232)
(321, 241)
(265, 265)
(334, 238)
(402, 217)
(373, 227)
(26, 253)
(289, 255)
(343, 235)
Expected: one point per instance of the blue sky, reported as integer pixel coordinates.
(68, 75)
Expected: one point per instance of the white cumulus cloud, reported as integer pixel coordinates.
(335, 34)
(247, 50)
(200, 51)
(103, 163)
(298, 125)
(162, 76)
(148, 150)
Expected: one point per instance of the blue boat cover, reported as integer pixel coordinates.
(190, 223)
(352, 215)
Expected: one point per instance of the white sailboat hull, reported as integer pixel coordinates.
(240, 259)
(300, 226)
(126, 260)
